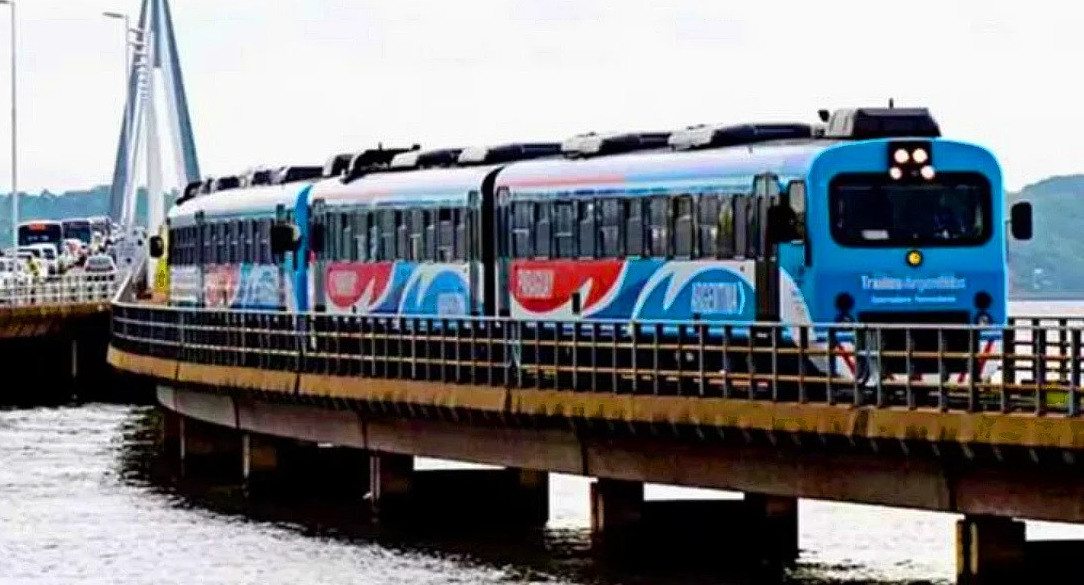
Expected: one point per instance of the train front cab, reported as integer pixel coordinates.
(908, 232)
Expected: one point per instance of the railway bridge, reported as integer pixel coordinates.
(245, 389)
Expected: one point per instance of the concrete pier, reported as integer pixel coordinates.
(391, 483)
(301, 469)
(462, 498)
(209, 451)
(760, 525)
(990, 550)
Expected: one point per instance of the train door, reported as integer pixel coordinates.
(318, 234)
(766, 195)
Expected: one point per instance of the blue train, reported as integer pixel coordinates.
(869, 216)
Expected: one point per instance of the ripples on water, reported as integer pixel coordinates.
(84, 499)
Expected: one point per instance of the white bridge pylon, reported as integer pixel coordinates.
(155, 79)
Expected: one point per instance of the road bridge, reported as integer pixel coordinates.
(53, 334)
(629, 412)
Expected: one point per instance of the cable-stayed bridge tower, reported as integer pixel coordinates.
(155, 73)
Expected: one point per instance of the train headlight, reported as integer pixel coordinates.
(910, 160)
(914, 258)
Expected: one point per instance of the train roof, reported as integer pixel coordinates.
(240, 201)
(736, 164)
(435, 185)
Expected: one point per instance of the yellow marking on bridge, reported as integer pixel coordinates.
(921, 424)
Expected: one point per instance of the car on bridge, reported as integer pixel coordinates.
(100, 264)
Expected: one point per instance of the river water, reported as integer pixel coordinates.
(82, 500)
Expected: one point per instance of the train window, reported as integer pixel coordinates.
(634, 227)
(588, 231)
(564, 235)
(462, 216)
(349, 236)
(431, 235)
(374, 237)
(445, 236)
(658, 217)
(416, 226)
(708, 225)
(346, 237)
(360, 244)
(543, 230)
(233, 242)
(523, 229)
(220, 243)
(683, 227)
(402, 240)
(223, 243)
(752, 232)
(610, 228)
(725, 238)
(387, 235)
(211, 253)
(263, 254)
(226, 243)
(233, 247)
(740, 226)
(331, 230)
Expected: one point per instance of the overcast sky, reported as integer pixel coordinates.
(293, 81)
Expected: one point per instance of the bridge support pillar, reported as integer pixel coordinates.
(768, 524)
(989, 550)
(259, 459)
(299, 469)
(616, 506)
(391, 483)
(170, 434)
(773, 521)
(209, 451)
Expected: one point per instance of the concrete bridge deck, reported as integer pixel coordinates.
(993, 451)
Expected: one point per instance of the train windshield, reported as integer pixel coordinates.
(40, 233)
(873, 211)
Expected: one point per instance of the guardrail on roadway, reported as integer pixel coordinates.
(68, 289)
(1032, 365)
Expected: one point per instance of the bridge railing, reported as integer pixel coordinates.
(66, 289)
(1030, 366)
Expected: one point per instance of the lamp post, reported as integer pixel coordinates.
(127, 43)
(14, 139)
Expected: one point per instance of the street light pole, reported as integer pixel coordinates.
(14, 137)
(127, 43)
